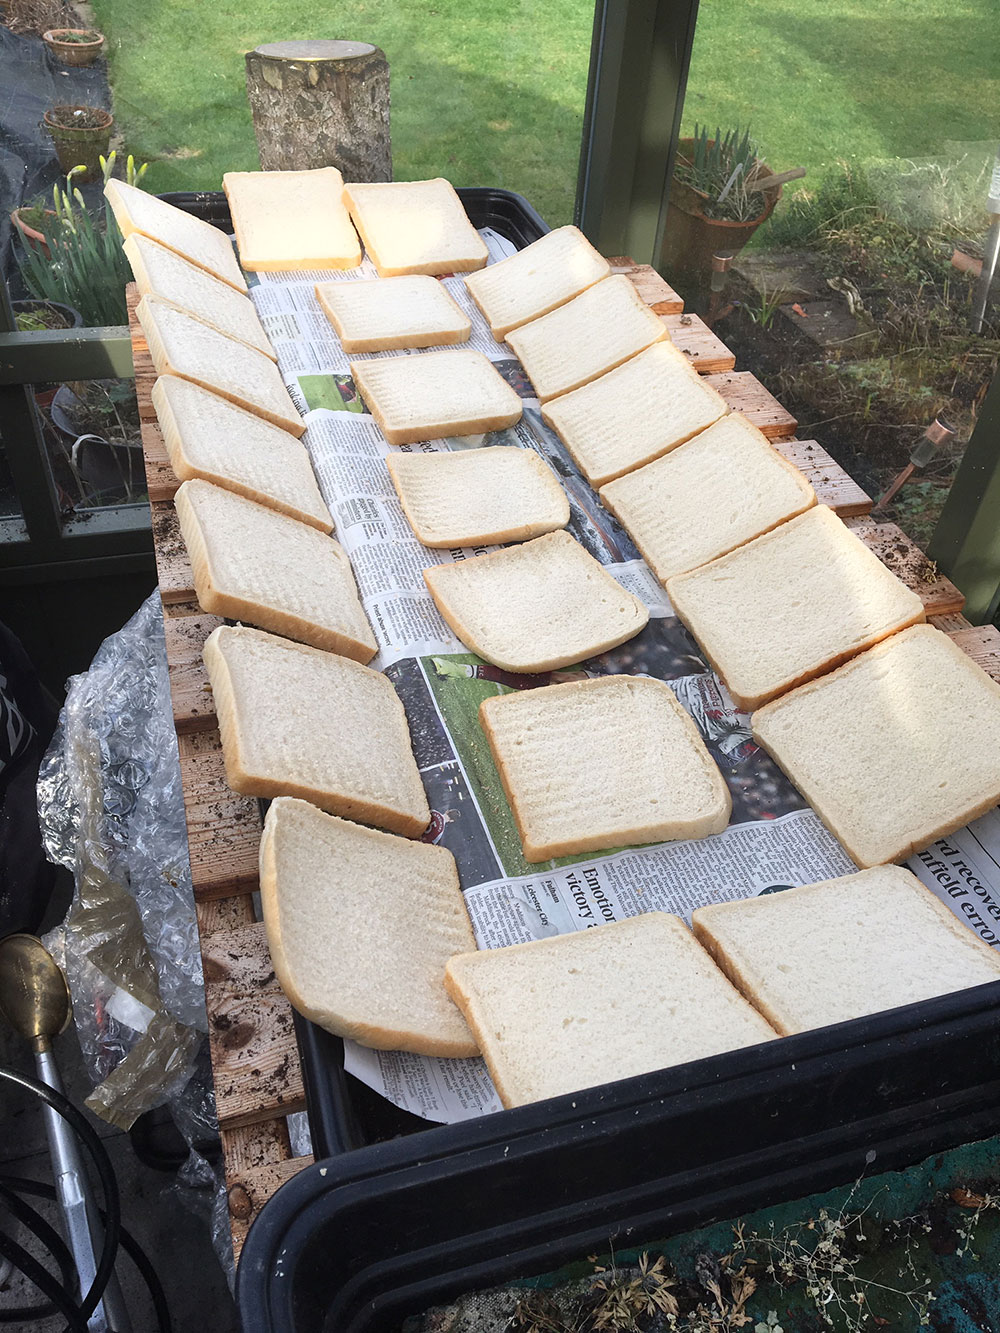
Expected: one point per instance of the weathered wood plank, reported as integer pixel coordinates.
(190, 692)
(744, 393)
(145, 373)
(906, 560)
(215, 914)
(833, 486)
(255, 1056)
(982, 643)
(655, 291)
(251, 1188)
(705, 350)
(223, 828)
(161, 480)
(173, 568)
(949, 623)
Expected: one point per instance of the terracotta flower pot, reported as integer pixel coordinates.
(691, 239)
(32, 237)
(82, 135)
(69, 52)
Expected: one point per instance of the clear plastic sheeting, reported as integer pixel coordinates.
(111, 809)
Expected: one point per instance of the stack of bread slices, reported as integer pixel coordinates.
(891, 733)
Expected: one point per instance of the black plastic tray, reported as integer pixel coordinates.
(358, 1242)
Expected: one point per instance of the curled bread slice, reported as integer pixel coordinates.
(296, 721)
(181, 344)
(563, 1014)
(389, 314)
(791, 605)
(542, 276)
(648, 775)
(415, 227)
(478, 497)
(198, 241)
(844, 948)
(535, 607)
(718, 490)
(291, 220)
(435, 394)
(640, 410)
(897, 748)
(162, 272)
(252, 563)
(360, 925)
(211, 439)
(586, 337)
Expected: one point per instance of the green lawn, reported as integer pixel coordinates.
(492, 93)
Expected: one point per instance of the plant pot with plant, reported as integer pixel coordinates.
(35, 316)
(81, 135)
(34, 221)
(74, 46)
(716, 204)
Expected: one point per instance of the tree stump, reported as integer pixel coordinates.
(321, 104)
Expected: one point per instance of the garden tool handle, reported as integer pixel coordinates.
(771, 182)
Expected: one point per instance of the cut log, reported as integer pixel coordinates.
(321, 104)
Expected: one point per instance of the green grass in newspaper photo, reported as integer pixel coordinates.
(334, 392)
(460, 682)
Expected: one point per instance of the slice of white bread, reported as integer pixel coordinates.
(568, 1013)
(586, 337)
(897, 748)
(291, 220)
(360, 925)
(722, 488)
(181, 344)
(205, 245)
(296, 721)
(791, 605)
(545, 274)
(426, 396)
(388, 314)
(535, 607)
(210, 438)
(478, 497)
(162, 272)
(252, 563)
(415, 227)
(647, 777)
(847, 947)
(635, 413)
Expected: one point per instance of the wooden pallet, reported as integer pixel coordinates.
(255, 1058)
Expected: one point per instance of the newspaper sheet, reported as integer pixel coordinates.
(774, 839)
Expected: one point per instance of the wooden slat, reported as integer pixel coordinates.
(950, 624)
(249, 1190)
(145, 374)
(161, 480)
(982, 643)
(215, 914)
(223, 828)
(190, 692)
(173, 568)
(705, 350)
(655, 291)
(906, 560)
(248, 1146)
(744, 393)
(833, 486)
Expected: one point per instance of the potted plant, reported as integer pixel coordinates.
(32, 220)
(81, 135)
(86, 266)
(34, 315)
(74, 46)
(714, 205)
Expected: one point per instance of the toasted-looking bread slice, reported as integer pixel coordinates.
(198, 241)
(542, 276)
(897, 748)
(360, 925)
(415, 227)
(791, 605)
(722, 488)
(536, 607)
(210, 438)
(291, 220)
(560, 1015)
(478, 497)
(648, 777)
(844, 948)
(425, 397)
(252, 563)
(296, 721)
